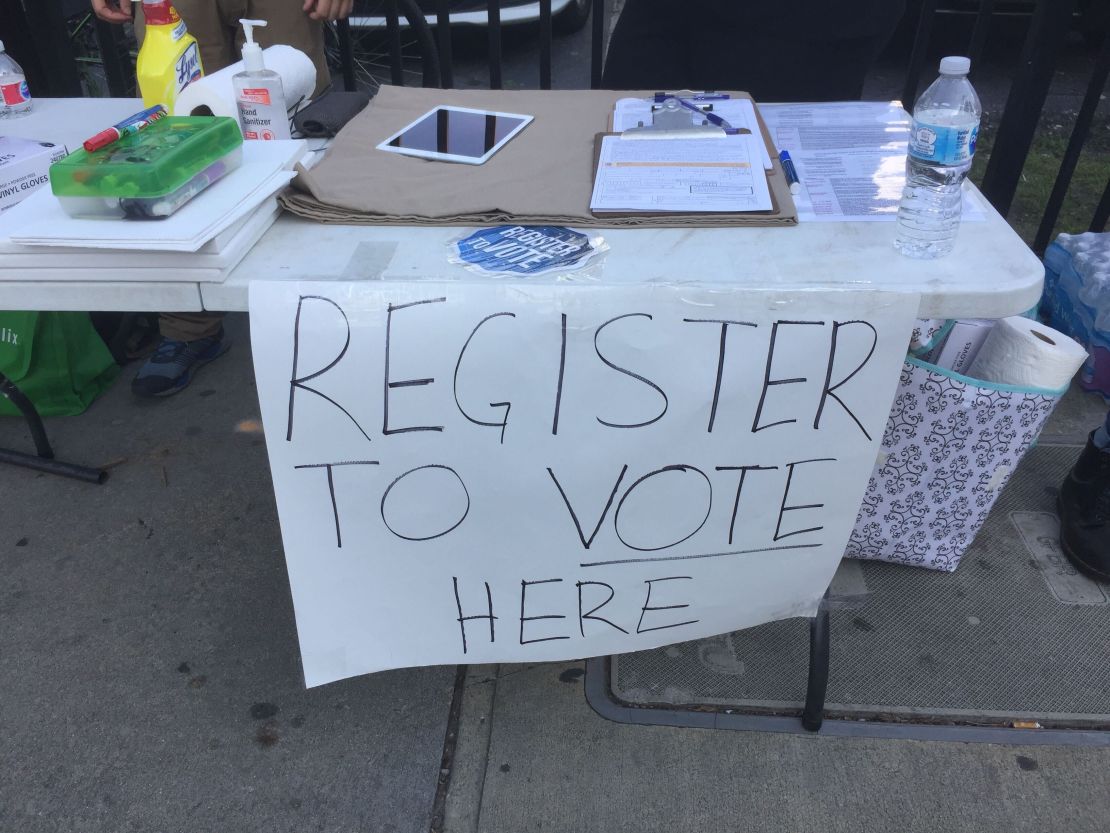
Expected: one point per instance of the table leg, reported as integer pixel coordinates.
(43, 459)
(814, 713)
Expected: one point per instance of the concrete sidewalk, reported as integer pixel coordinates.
(533, 756)
(150, 681)
(149, 672)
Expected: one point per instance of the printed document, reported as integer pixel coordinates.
(850, 156)
(681, 175)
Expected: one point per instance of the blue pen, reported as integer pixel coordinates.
(706, 96)
(712, 118)
(791, 172)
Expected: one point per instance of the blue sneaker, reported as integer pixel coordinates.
(173, 363)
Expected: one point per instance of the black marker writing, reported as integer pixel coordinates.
(441, 533)
(783, 508)
(830, 390)
(331, 488)
(562, 371)
(574, 515)
(506, 405)
(464, 619)
(720, 358)
(388, 385)
(298, 382)
(648, 476)
(582, 617)
(629, 373)
(524, 585)
(739, 488)
(769, 382)
(648, 607)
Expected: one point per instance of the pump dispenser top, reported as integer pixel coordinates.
(252, 52)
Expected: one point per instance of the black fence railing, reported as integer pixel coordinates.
(388, 38)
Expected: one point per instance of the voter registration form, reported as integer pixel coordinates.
(850, 156)
(717, 173)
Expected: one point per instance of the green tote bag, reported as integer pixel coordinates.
(56, 359)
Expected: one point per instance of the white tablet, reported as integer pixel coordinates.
(456, 134)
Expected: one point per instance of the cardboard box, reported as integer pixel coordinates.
(962, 344)
(24, 167)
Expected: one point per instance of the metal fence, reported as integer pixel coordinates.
(426, 29)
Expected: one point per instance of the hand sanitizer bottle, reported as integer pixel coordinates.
(258, 93)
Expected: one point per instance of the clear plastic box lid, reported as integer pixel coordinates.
(157, 160)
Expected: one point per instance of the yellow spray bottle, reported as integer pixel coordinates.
(169, 59)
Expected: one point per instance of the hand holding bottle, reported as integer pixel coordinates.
(328, 10)
(112, 11)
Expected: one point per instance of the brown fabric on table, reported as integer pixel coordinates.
(543, 176)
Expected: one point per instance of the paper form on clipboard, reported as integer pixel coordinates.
(720, 173)
(739, 112)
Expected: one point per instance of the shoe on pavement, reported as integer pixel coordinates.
(171, 366)
(1084, 506)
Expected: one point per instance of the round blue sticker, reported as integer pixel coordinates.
(525, 250)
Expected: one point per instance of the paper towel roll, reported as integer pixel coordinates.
(1023, 352)
(214, 94)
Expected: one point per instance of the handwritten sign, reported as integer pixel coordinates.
(481, 472)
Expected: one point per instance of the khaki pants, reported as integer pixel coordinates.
(215, 25)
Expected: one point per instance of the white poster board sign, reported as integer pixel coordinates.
(489, 472)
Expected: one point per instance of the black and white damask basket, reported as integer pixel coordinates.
(950, 445)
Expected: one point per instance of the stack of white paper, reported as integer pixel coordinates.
(201, 242)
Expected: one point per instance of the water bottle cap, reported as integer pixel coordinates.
(955, 65)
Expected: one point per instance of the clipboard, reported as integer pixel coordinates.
(783, 210)
(776, 211)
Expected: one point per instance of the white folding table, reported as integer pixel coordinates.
(990, 274)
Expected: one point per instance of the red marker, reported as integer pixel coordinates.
(132, 124)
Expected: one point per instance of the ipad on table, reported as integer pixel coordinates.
(456, 134)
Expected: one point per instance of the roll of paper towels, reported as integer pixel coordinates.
(1025, 353)
(214, 94)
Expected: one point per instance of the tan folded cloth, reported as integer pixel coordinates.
(542, 176)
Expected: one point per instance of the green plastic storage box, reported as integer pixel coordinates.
(149, 174)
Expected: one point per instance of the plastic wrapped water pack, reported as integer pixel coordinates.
(1077, 300)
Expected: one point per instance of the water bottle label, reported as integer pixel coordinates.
(15, 94)
(943, 145)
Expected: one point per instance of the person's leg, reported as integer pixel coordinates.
(1101, 439)
(190, 326)
(649, 49)
(1084, 507)
(189, 341)
(288, 24)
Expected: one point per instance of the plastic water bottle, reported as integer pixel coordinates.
(942, 144)
(15, 98)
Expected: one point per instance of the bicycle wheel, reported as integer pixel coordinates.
(370, 48)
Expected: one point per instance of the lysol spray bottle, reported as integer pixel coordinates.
(169, 59)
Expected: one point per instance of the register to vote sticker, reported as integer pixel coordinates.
(526, 250)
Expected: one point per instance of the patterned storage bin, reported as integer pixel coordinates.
(927, 334)
(949, 447)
